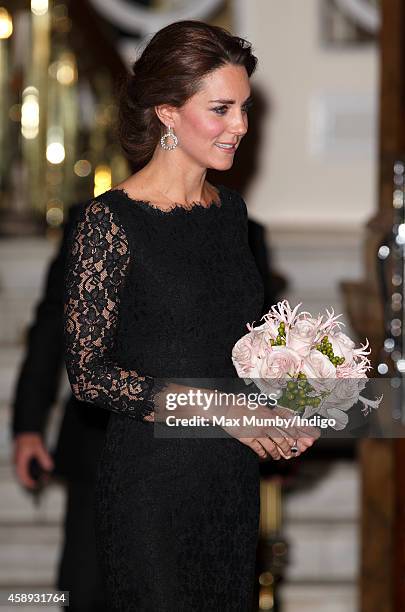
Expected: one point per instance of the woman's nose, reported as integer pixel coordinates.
(239, 125)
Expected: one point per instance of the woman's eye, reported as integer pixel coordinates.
(220, 110)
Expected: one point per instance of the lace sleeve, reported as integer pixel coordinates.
(97, 263)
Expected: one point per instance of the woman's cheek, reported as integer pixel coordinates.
(215, 128)
(208, 127)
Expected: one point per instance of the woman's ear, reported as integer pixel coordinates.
(165, 114)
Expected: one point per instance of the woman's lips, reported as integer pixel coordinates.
(226, 147)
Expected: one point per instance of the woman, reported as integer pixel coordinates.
(160, 284)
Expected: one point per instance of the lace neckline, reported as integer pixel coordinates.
(175, 208)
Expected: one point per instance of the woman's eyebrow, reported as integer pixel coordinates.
(249, 99)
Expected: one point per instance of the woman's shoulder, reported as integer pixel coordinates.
(229, 192)
(233, 196)
(96, 208)
(98, 213)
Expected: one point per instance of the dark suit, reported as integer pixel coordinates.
(82, 431)
(274, 284)
(80, 438)
(83, 425)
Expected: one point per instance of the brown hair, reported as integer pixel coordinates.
(169, 71)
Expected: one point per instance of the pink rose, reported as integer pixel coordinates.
(320, 371)
(345, 393)
(248, 352)
(301, 336)
(342, 346)
(244, 354)
(275, 368)
(280, 362)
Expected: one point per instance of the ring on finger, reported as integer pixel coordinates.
(289, 439)
(294, 449)
(281, 451)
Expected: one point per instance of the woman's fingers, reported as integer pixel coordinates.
(306, 442)
(265, 446)
(283, 443)
(277, 446)
(262, 447)
(296, 431)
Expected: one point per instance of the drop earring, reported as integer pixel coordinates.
(169, 134)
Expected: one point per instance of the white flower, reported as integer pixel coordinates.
(300, 337)
(346, 393)
(342, 346)
(244, 355)
(319, 370)
(277, 365)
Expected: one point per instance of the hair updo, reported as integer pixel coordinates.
(169, 71)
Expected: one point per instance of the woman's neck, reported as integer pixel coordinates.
(171, 182)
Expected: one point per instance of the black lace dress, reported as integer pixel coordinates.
(153, 294)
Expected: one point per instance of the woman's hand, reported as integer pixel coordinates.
(264, 440)
(268, 440)
(28, 446)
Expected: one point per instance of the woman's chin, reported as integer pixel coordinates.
(223, 164)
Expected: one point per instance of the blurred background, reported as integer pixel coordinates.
(321, 170)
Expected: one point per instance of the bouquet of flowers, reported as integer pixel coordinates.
(306, 362)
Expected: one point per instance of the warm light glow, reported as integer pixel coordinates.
(39, 7)
(66, 70)
(65, 74)
(30, 113)
(266, 578)
(54, 216)
(6, 24)
(102, 179)
(15, 113)
(266, 600)
(55, 152)
(82, 168)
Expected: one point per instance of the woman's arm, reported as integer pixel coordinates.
(97, 264)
